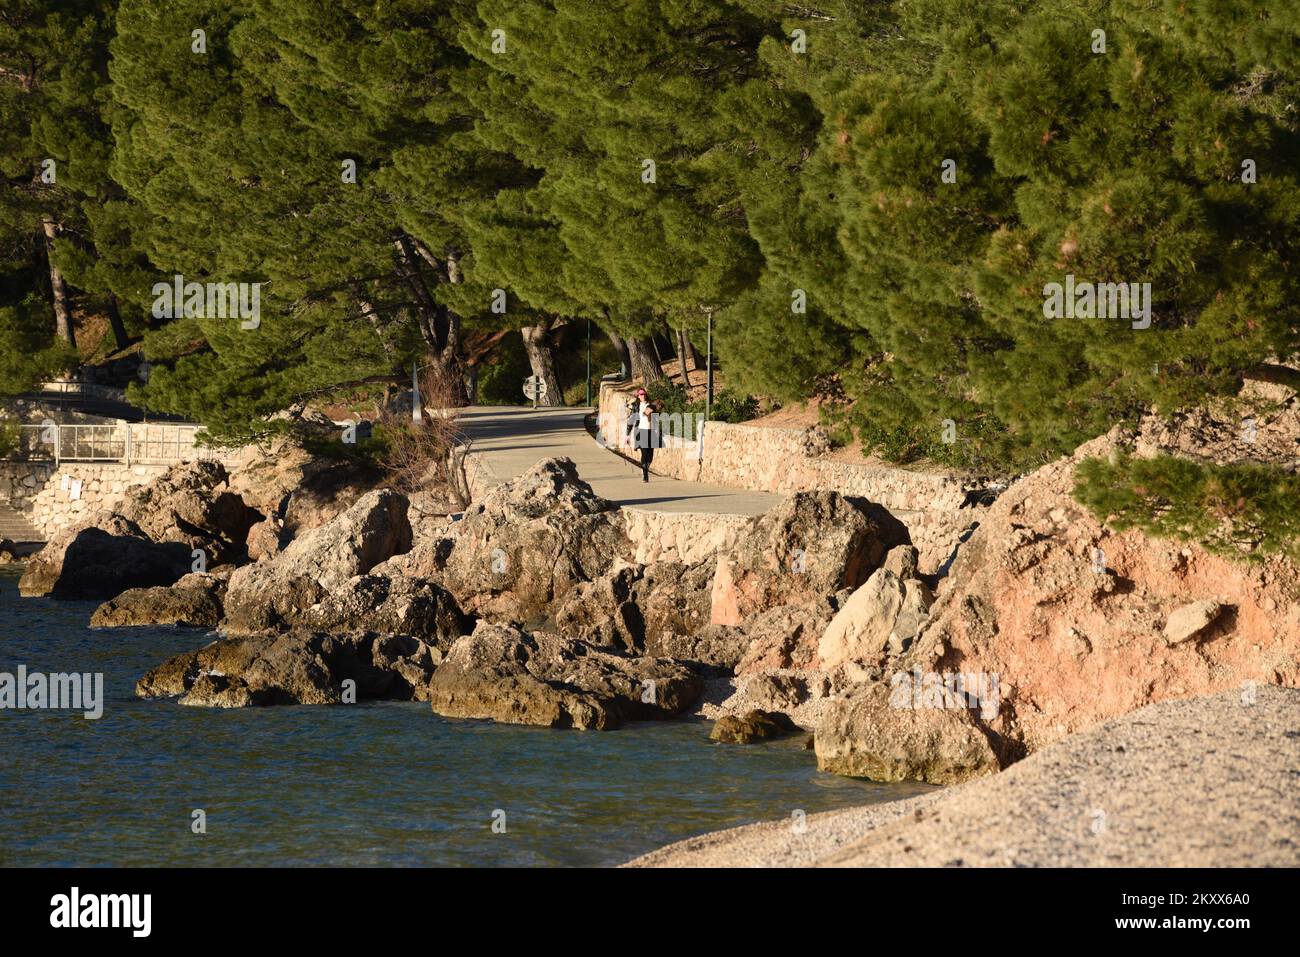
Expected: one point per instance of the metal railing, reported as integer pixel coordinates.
(130, 443)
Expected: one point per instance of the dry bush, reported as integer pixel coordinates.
(418, 455)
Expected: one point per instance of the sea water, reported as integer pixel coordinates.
(367, 784)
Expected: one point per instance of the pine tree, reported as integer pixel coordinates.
(788, 335)
(617, 110)
(1117, 166)
(260, 128)
(64, 237)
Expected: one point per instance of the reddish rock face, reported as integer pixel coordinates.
(1078, 635)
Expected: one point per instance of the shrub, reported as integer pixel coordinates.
(732, 406)
(1240, 510)
(10, 438)
(417, 455)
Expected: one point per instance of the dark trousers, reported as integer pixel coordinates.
(643, 439)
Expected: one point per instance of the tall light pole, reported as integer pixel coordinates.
(708, 389)
(589, 361)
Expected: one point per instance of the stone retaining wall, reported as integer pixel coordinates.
(656, 536)
(54, 497)
(784, 461)
(686, 537)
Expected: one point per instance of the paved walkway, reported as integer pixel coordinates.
(514, 439)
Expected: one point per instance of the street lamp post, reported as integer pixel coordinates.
(708, 389)
(589, 361)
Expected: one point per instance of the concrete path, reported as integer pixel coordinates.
(513, 439)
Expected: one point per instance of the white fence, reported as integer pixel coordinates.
(131, 443)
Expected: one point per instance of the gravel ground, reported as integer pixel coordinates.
(1203, 782)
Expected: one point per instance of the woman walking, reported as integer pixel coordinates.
(646, 437)
(633, 418)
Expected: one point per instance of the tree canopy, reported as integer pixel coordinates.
(873, 199)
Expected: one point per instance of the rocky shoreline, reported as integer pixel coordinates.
(1203, 782)
(531, 608)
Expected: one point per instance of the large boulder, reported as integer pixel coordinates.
(880, 619)
(890, 734)
(530, 541)
(300, 487)
(788, 637)
(194, 601)
(102, 557)
(279, 591)
(395, 606)
(713, 650)
(297, 667)
(780, 638)
(810, 546)
(191, 503)
(751, 726)
(432, 539)
(638, 607)
(507, 675)
(149, 540)
(266, 539)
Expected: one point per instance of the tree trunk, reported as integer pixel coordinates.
(697, 360)
(426, 309)
(115, 320)
(447, 324)
(372, 316)
(654, 344)
(681, 356)
(645, 362)
(59, 287)
(453, 348)
(624, 358)
(451, 351)
(541, 359)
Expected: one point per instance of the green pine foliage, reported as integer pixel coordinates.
(29, 351)
(240, 153)
(868, 198)
(55, 151)
(1123, 165)
(1241, 510)
(587, 96)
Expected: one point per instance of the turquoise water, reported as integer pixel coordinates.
(369, 784)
